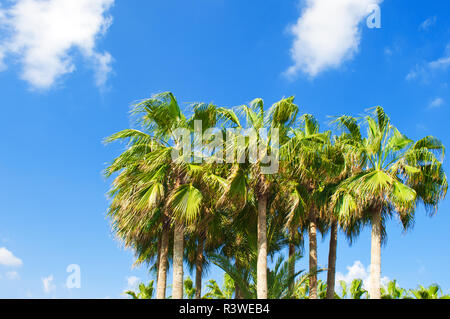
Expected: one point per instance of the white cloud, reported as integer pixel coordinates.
(43, 35)
(425, 70)
(7, 258)
(48, 285)
(427, 23)
(12, 275)
(358, 271)
(132, 282)
(393, 49)
(441, 63)
(327, 34)
(436, 103)
(414, 73)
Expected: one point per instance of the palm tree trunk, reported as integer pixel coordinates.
(158, 258)
(375, 263)
(312, 258)
(178, 251)
(237, 292)
(261, 283)
(162, 265)
(199, 269)
(291, 261)
(331, 273)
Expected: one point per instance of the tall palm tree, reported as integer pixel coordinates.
(205, 234)
(306, 169)
(341, 165)
(397, 174)
(209, 178)
(239, 237)
(154, 186)
(246, 178)
(137, 213)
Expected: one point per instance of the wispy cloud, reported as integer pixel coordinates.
(42, 36)
(425, 70)
(327, 33)
(436, 103)
(48, 285)
(7, 258)
(441, 63)
(12, 275)
(388, 51)
(414, 73)
(428, 23)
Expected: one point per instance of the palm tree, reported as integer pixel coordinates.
(205, 235)
(145, 292)
(210, 178)
(393, 291)
(341, 165)
(189, 289)
(355, 290)
(279, 280)
(154, 189)
(224, 292)
(240, 245)
(239, 240)
(398, 174)
(138, 217)
(249, 179)
(431, 292)
(148, 158)
(305, 172)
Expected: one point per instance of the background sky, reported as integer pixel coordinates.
(71, 69)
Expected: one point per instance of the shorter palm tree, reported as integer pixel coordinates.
(279, 280)
(434, 291)
(189, 289)
(354, 291)
(224, 292)
(145, 291)
(393, 291)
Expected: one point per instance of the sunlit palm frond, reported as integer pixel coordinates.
(185, 203)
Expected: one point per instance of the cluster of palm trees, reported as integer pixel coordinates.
(185, 211)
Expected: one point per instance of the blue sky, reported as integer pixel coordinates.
(70, 70)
